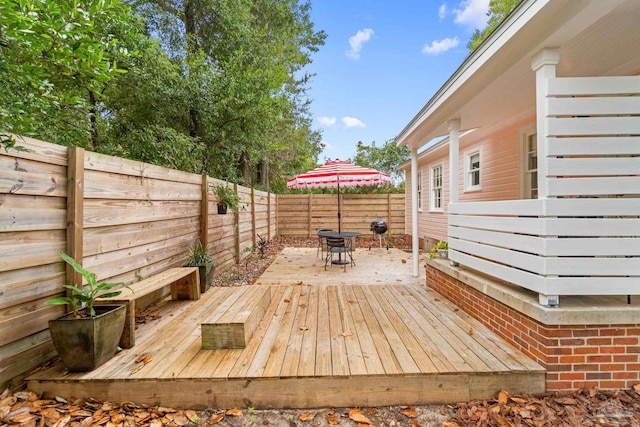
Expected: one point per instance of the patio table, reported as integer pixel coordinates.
(340, 235)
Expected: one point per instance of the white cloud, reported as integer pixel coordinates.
(356, 42)
(442, 11)
(327, 121)
(352, 122)
(472, 13)
(438, 46)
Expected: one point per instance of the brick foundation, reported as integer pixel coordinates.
(575, 356)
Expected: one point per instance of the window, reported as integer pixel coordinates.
(472, 172)
(530, 169)
(420, 191)
(435, 201)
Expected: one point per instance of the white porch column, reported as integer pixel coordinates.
(454, 154)
(415, 242)
(544, 64)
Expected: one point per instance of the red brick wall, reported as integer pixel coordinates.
(575, 356)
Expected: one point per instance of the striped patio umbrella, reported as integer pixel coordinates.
(339, 173)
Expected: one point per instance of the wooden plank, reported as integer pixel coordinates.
(594, 166)
(373, 364)
(589, 126)
(589, 106)
(383, 347)
(33, 184)
(594, 186)
(595, 146)
(339, 361)
(299, 328)
(392, 336)
(601, 85)
(323, 343)
(278, 350)
(307, 361)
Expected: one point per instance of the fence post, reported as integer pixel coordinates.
(236, 215)
(204, 211)
(75, 212)
(269, 216)
(389, 213)
(253, 216)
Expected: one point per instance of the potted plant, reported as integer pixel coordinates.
(227, 198)
(88, 336)
(441, 249)
(199, 257)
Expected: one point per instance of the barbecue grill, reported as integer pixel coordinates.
(378, 228)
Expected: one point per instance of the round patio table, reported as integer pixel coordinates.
(339, 235)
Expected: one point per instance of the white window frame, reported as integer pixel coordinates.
(420, 190)
(433, 187)
(525, 134)
(468, 172)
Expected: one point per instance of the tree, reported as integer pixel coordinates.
(385, 159)
(53, 57)
(498, 10)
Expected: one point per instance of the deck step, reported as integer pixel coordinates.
(233, 322)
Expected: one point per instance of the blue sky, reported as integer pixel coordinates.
(381, 62)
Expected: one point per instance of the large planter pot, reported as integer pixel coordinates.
(84, 344)
(206, 276)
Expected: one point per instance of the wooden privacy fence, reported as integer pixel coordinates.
(301, 215)
(124, 219)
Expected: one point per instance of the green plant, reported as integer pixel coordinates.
(440, 245)
(227, 197)
(84, 296)
(199, 255)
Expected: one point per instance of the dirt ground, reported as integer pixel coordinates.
(591, 407)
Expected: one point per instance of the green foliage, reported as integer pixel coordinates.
(199, 255)
(227, 196)
(87, 295)
(498, 10)
(385, 159)
(434, 250)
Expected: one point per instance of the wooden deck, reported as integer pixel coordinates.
(318, 345)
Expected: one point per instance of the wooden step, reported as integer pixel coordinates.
(233, 322)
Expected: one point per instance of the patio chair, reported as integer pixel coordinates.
(339, 246)
(322, 244)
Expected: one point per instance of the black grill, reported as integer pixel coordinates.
(378, 226)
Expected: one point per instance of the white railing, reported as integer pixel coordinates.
(554, 246)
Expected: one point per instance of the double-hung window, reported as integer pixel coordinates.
(472, 169)
(435, 177)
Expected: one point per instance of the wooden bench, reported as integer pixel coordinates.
(185, 285)
(233, 322)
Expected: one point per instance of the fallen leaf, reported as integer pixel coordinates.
(409, 413)
(404, 261)
(192, 415)
(156, 423)
(566, 401)
(346, 334)
(304, 328)
(333, 420)
(636, 388)
(331, 412)
(414, 423)
(470, 331)
(371, 411)
(137, 368)
(352, 301)
(503, 397)
(450, 424)
(234, 412)
(359, 418)
(307, 416)
(214, 419)
(436, 299)
(286, 300)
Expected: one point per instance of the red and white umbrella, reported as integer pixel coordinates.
(339, 173)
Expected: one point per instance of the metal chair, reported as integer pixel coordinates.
(321, 241)
(339, 245)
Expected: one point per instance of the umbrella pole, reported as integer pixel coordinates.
(339, 208)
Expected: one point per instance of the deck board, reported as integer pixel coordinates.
(345, 344)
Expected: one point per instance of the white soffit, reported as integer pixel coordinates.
(496, 84)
